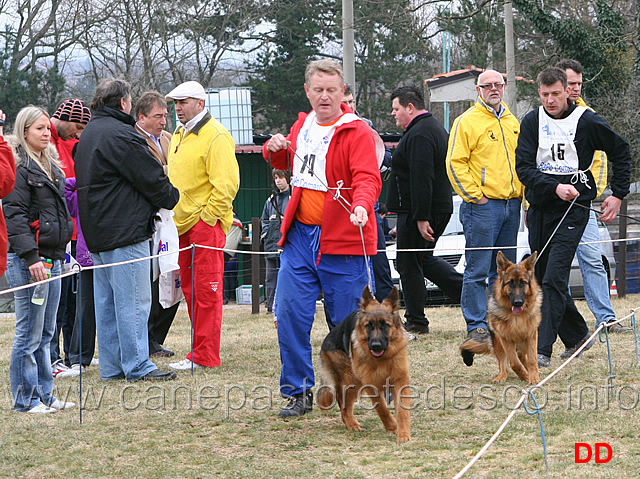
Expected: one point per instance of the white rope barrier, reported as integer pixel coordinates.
(79, 267)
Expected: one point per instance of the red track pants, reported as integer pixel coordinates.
(208, 268)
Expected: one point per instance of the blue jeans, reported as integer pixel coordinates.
(341, 277)
(493, 224)
(122, 296)
(594, 276)
(30, 368)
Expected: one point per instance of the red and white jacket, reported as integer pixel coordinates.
(351, 159)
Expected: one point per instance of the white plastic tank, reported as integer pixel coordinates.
(232, 107)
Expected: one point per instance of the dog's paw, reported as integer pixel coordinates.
(467, 357)
(391, 427)
(499, 378)
(534, 379)
(354, 426)
(404, 437)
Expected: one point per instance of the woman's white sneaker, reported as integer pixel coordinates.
(42, 409)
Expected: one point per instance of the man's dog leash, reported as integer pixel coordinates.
(346, 205)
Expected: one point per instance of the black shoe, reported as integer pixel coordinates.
(618, 328)
(569, 351)
(543, 361)
(480, 335)
(299, 405)
(160, 351)
(157, 375)
(417, 328)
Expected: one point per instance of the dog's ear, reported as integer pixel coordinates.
(367, 297)
(393, 300)
(530, 262)
(502, 262)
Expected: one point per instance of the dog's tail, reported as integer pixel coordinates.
(472, 346)
(325, 397)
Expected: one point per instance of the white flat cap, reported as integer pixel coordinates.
(188, 89)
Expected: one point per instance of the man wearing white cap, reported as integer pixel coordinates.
(203, 166)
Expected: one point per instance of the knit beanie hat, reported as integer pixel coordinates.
(73, 110)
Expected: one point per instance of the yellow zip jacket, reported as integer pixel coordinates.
(203, 166)
(481, 158)
(599, 165)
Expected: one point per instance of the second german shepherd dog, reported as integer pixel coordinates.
(513, 313)
(366, 356)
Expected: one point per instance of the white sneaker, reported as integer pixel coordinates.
(57, 404)
(71, 372)
(94, 362)
(42, 409)
(57, 368)
(184, 365)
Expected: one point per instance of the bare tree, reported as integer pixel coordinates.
(157, 43)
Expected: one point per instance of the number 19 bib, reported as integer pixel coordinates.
(310, 162)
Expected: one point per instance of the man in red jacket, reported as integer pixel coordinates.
(7, 179)
(332, 154)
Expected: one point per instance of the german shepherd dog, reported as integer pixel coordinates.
(513, 313)
(366, 356)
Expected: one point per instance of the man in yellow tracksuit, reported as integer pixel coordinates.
(203, 166)
(481, 168)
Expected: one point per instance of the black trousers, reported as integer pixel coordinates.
(272, 266)
(559, 313)
(83, 339)
(66, 317)
(414, 267)
(380, 264)
(160, 319)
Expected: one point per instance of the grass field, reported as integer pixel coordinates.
(223, 422)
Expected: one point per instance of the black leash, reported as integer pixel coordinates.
(600, 212)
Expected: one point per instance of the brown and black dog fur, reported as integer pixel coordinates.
(513, 314)
(365, 356)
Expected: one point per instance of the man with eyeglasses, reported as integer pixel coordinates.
(481, 168)
(151, 119)
(596, 280)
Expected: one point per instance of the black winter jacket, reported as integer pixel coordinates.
(271, 220)
(120, 184)
(419, 185)
(36, 197)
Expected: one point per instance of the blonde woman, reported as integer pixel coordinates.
(39, 227)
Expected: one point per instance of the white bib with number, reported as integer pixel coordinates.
(310, 161)
(557, 154)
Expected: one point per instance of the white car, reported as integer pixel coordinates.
(451, 244)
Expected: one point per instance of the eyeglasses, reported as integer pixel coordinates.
(489, 86)
(348, 102)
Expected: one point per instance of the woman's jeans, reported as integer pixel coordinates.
(30, 367)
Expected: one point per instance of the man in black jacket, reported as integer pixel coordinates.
(120, 187)
(555, 151)
(420, 192)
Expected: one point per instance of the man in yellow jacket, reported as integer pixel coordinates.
(203, 166)
(481, 168)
